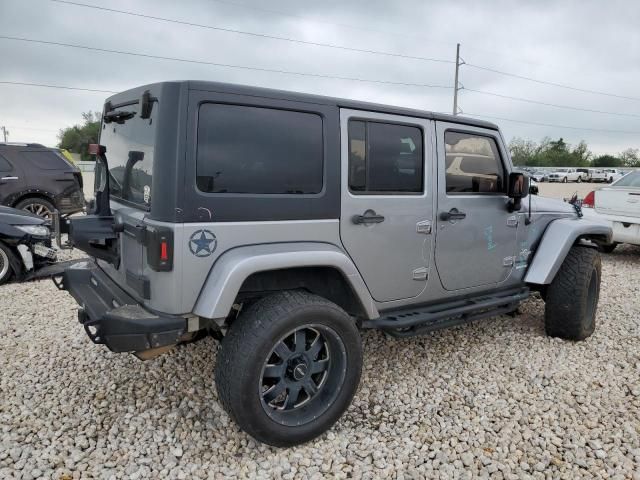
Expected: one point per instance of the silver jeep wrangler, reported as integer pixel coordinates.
(284, 223)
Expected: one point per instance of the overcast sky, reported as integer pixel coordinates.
(592, 45)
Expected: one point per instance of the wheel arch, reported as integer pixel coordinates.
(558, 238)
(41, 194)
(254, 270)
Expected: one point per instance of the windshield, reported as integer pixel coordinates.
(130, 150)
(630, 180)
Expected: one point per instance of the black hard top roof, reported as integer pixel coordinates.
(230, 88)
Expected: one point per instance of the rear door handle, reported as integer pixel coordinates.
(367, 217)
(453, 214)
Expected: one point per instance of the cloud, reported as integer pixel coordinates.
(582, 43)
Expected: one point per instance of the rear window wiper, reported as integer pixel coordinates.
(118, 116)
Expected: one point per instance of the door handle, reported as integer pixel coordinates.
(9, 178)
(368, 217)
(453, 214)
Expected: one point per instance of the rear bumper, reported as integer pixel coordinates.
(113, 318)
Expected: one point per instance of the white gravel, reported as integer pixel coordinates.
(492, 399)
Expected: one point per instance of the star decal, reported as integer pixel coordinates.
(202, 243)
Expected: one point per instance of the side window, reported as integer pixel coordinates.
(5, 166)
(385, 158)
(473, 164)
(46, 160)
(258, 150)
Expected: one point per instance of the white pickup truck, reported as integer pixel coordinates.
(619, 205)
(565, 175)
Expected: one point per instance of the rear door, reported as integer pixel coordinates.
(387, 200)
(476, 234)
(11, 180)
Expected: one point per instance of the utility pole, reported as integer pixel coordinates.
(5, 132)
(456, 85)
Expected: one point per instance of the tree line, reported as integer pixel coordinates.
(558, 153)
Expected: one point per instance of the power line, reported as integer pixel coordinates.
(224, 65)
(365, 29)
(56, 86)
(528, 100)
(544, 82)
(551, 125)
(254, 34)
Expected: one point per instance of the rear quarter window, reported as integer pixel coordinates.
(257, 150)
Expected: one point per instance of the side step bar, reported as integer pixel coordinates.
(409, 322)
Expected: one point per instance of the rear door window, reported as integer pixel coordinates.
(45, 160)
(473, 164)
(5, 166)
(385, 158)
(256, 150)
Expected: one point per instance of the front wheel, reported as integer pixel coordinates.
(6, 269)
(572, 297)
(564, 180)
(579, 179)
(289, 367)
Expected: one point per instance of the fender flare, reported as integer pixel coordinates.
(229, 272)
(558, 238)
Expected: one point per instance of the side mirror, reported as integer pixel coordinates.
(518, 188)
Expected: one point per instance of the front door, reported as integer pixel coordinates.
(476, 234)
(387, 209)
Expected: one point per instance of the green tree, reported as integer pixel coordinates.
(630, 157)
(522, 151)
(77, 138)
(606, 161)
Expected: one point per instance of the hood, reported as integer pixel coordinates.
(13, 216)
(546, 205)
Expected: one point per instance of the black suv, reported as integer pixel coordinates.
(39, 179)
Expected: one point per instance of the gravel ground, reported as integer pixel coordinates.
(494, 398)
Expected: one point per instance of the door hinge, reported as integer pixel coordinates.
(420, 273)
(512, 221)
(424, 227)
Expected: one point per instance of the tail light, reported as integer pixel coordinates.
(159, 243)
(590, 200)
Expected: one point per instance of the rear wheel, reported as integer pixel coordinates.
(572, 297)
(289, 367)
(6, 270)
(38, 206)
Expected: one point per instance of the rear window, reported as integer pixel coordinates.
(130, 151)
(45, 160)
(254, 150)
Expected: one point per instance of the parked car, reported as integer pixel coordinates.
(39, 179)
(585, 174)
(613, 174)
(540, 176)
(283, 223)
(619, 205)
(565, 175)
(599, 175)
(25, 243)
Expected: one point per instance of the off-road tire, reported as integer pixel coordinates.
(7, 258)
(243, 356)
(572, 297)
(35, 205)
